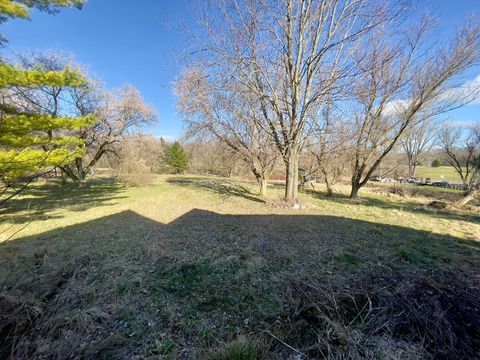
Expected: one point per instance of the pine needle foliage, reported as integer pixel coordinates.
(176, 157)
(31, 142)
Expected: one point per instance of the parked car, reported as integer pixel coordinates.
(389, 180)
(443, 184)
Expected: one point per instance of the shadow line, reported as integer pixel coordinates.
(220, 186)
(39, 200)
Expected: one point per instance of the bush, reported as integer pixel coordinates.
(436, 163)
(132, 171)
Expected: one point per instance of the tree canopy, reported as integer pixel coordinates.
(31, 140)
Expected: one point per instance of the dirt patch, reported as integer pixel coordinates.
(439, 205)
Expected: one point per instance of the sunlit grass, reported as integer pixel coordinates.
(190, 262)
(55, 206)
(441, 173)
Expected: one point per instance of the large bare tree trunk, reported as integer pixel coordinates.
(81, 172)
(263, 187)
(354, 192)
(328, 184)
(262, 178)
(356, 186)
(329, 188)
(291, 176)
(410, 166)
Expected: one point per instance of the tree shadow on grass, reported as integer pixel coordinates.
(410, 205)
(230, 188)
(39, 201)
(202, 271)
(220, 186)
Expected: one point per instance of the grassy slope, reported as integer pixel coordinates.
(436, 173)
(188, 263)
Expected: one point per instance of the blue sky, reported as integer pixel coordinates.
(138, 42)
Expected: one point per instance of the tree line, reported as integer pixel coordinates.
(334, 86)
(55, 117)
(345, 82)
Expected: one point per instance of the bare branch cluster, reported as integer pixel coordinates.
(298, 75)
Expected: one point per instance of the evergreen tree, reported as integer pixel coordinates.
(176, 157)
(31, 142)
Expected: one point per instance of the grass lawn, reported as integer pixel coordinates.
(196, 267)
(441, 173)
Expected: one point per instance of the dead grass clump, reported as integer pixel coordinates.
(439, 205)
(418, 316)
(79, 322)
(397, 191)
(242, 348)
(27, 321)
(415, 191)
(16, 317)
(290, 204)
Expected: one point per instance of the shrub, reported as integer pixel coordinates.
(131, 171)
(436, 163)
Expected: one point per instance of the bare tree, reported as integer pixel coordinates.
(151, 149)
(332, 165)
(211, 157)
(331, 152)
(290, 55)
(462, 152)
(401, 76)
(216, 109)
(119, 113)
(418, 140)
(131, 165)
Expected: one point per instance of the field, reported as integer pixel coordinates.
(198, 267)
(441, 173)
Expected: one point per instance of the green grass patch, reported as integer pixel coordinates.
(240, 349)
(219, 286)
(441, 173)
(410, 254)
(124, 287)
(162, 347)
(348, 258)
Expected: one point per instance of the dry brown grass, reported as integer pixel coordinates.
(388, 313)
(195, 267)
